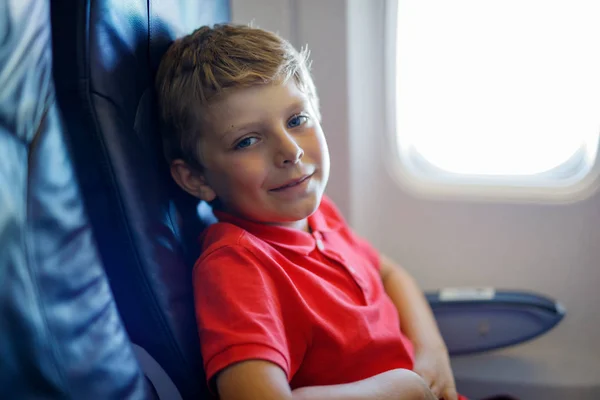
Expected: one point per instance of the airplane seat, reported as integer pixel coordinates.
(60, 332)
(106, 55)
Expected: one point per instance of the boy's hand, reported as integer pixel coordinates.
(433, 365)
(432, 362)
(256, 379)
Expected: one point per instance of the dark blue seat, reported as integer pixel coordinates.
(106, 55)
(60, 332)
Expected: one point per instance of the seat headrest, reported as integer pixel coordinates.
(60, 332)
(106, 55)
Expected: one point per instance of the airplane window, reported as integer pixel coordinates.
(498, 89)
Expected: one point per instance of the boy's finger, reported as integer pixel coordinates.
(436, 390)
(427, 378)
(450, 394)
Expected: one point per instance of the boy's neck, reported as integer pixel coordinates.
(301, 225)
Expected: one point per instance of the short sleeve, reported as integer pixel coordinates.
(237, 311)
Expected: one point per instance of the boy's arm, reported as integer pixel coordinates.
(418, 323)
(257, 379)
(416, 318)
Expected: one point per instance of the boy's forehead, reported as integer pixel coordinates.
(247, 105)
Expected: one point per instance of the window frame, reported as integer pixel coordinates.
(420, 177)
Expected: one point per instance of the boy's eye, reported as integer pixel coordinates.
(249, 141)
(297, 120)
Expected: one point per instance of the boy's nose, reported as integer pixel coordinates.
(289, 152)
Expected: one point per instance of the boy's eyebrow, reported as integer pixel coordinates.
(233, 129)
(300, 103)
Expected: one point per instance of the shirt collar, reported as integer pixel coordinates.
(283, 237)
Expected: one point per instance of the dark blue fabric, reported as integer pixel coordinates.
(60, 332)
(106, 55)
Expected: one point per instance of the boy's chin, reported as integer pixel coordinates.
(303, 209)
(274, 213)
(293, 213)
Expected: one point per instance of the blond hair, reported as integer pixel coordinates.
(209, 62)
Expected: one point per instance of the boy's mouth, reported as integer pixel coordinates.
(292, 182)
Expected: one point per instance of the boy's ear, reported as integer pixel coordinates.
(191, 181)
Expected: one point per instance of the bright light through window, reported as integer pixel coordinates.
(495, 88)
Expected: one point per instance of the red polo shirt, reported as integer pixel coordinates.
(312, 303)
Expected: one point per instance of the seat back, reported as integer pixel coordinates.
(60, 332)
(106, 56)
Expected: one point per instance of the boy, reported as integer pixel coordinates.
(290, 303)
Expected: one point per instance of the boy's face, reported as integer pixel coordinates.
(264, 155)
